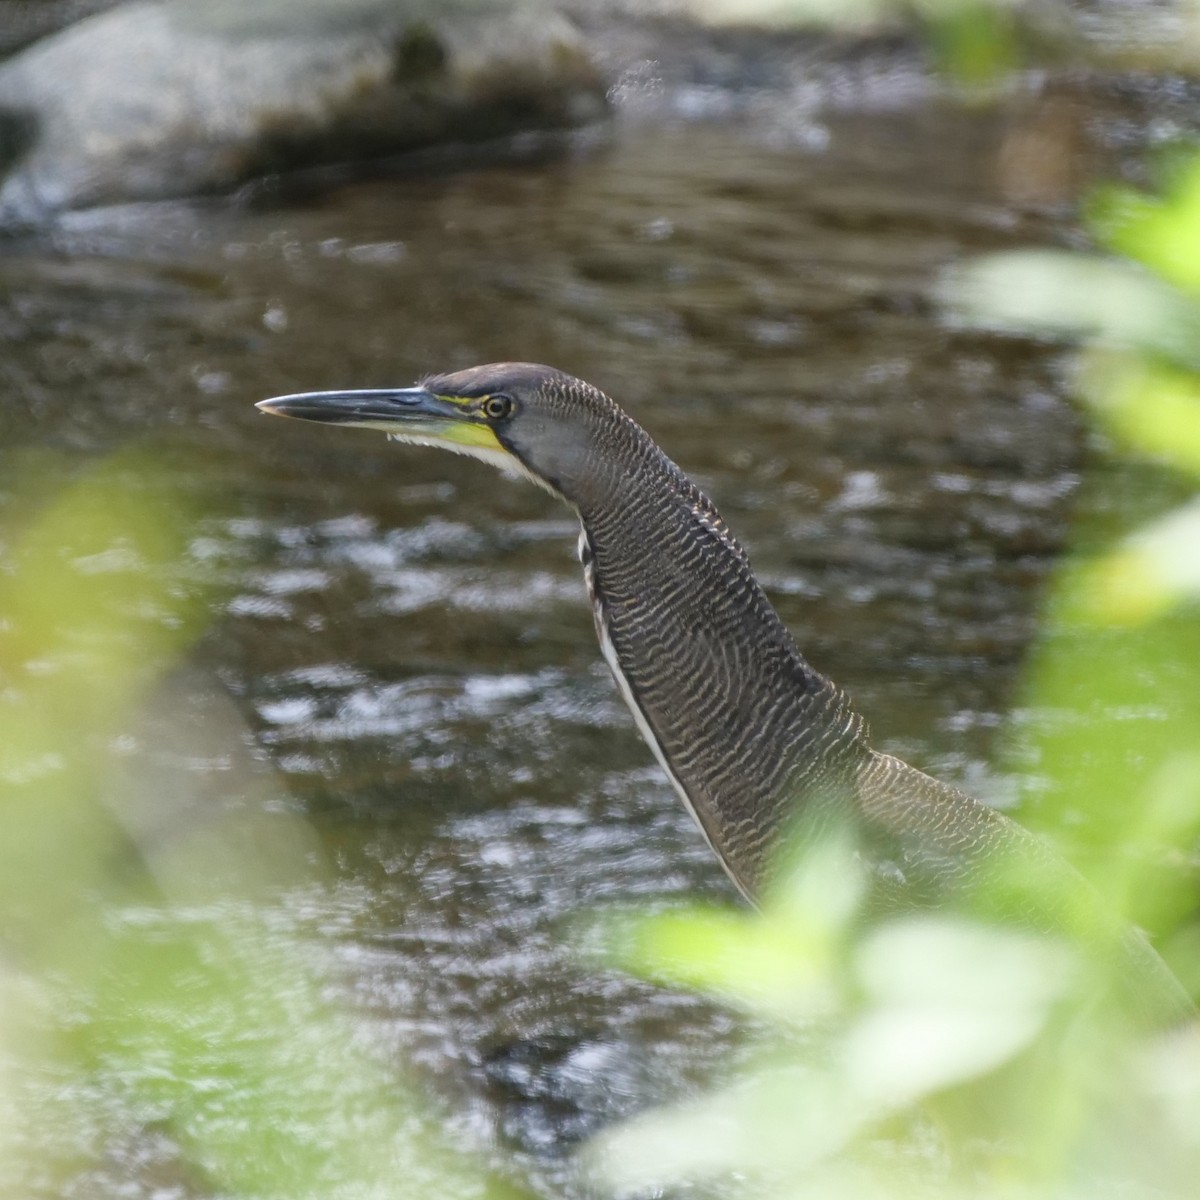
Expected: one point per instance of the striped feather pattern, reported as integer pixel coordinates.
(749, 733)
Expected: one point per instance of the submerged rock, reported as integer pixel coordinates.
(169, 98)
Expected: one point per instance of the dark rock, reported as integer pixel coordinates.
(24, 21)
(169, 98)
(554, 1092)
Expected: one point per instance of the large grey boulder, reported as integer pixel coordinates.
(24, 21)
(172, 97)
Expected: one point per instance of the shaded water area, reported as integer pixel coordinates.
(406, 634)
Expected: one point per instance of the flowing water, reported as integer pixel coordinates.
(405, 634)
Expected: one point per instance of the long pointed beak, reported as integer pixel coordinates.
(405, 414)
(387, 408)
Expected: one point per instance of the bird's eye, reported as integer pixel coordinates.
(496, 408)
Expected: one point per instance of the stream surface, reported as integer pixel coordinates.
(405, 634)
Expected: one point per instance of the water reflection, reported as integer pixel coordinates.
(407, 633)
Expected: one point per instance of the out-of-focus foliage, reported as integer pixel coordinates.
(977, 41)
(974, 40)
(932, 1056)
(144, 981)
(1160, 232)
(1115, 686)
(925, 1056)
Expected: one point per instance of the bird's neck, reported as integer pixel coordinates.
(746, 728)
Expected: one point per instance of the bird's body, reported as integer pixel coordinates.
(751, 736)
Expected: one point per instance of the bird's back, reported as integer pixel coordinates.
(932, 844)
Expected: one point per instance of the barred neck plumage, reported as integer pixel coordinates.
(746, 729)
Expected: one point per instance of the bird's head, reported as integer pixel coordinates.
(526, 419)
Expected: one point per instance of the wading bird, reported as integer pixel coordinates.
(749, 734)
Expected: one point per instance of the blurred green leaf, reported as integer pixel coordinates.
(766, 965)
(1161, 233)
(974, 40)
(952, 1000)
(783, 962)
(1147, 575)
(139, 909)
(782, 1121)
(949, 961)
(1052, 294)
(943, 1003)
(261, 1082)
(819, 882)
(1164, 822)
(1149, 406)
(93, 612)
(1168, 1071)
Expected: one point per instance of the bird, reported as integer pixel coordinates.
(754, 740)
